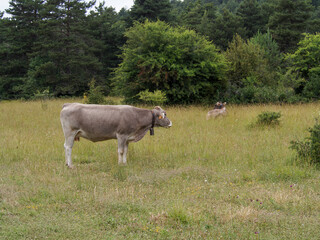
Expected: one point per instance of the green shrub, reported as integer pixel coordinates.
(265, 94)
(182, 64)
(179, 215)
(43, 96)
(247, 61)
(312, 87)
(271, 49)
(154, 98)
(309, 149)
(268, 118)
(305, 60)
(246, 94)
(110, 102)
(95, 94)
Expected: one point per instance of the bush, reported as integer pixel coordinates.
(251, 94)
(271, 49)
(179, 62)
(268, 118)
(305, 63)
(247, 61)
(312, 87)
(43, 96)
(309, 149)
(95, 94)
(265, 94)
(155, 98)
(305, 60)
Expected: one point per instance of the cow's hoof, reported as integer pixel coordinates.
(70, 166)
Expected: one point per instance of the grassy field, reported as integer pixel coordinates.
(217, 179)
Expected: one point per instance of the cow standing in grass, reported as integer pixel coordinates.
(103, 122)
(218, 110)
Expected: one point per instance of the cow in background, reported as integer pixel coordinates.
(103, 122)
(218, 110)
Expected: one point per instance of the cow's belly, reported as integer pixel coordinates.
(96, 137)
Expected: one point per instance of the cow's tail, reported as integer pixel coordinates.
(65, 105)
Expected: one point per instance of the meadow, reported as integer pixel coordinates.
(216, 179)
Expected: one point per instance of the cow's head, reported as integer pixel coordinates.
(217, 105)
(220, 105)
(161, 119)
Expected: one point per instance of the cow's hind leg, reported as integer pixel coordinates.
(68, 144)
(125, 151)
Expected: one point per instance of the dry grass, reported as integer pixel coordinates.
(216, 179)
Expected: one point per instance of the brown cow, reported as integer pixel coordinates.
(103, 122)
(218, 110)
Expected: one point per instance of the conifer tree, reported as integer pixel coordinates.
(107, 28)
(151, 9)
(250, 12)
(193, 15)
(63, 58)
(200, 17)
(289, 21)
(225, 27)
(20, 33)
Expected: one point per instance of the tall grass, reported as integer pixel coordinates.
(217, 179)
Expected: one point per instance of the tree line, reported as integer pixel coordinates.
(194, 51)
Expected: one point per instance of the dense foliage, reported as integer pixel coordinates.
(272, 48)
(306, 63)
(308, 150)
(269, 118)
(152, 98)
(94, 95)
(177, 61)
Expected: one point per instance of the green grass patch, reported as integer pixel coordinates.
(200, 179)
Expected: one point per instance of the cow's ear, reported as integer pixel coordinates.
(158, 108)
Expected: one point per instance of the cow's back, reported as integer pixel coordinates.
(99, 122)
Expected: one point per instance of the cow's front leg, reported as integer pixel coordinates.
(122, 149)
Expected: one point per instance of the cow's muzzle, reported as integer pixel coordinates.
(170, 125)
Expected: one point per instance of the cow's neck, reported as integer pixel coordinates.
(152, 123)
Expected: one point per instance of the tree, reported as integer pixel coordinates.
(193, 15)
(306, 59)
(63, 58)
(289, 20)
(151, 9)
(271, 49)
(180, 63)
(250, 12)
(5, 83)
(315, 3)
(251, 76)
(314, 24)
(107, 29)
(20, 33)
(305, 62)
(200, 17)
(177, 9)
(247, 63)
(225, 27)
